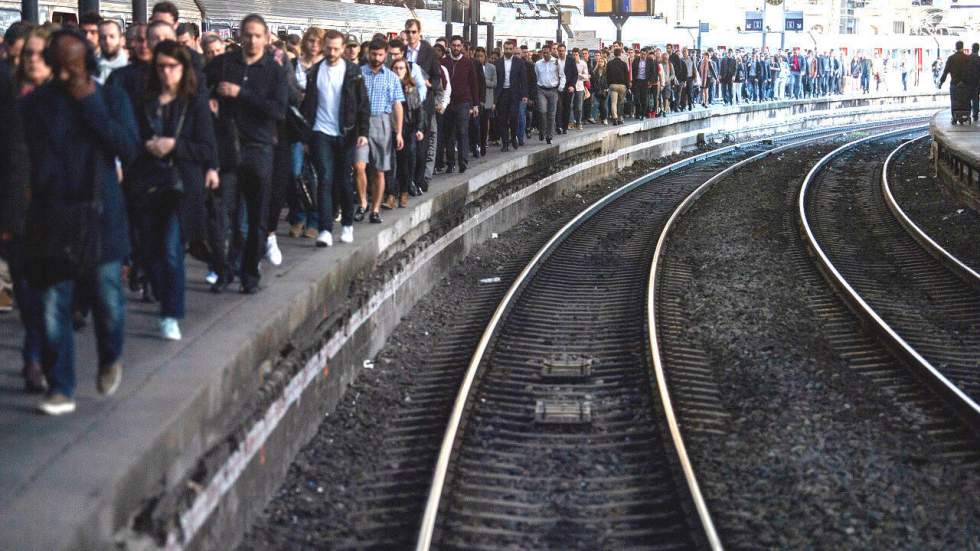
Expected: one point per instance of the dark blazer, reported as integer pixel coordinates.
(70, 144)
(427, 61)
(571, 72)
(14, 167)
(728, 69)
(195, 151)
(518, 77)
(355, 108)
(651, 70)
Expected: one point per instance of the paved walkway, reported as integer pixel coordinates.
(963, 139)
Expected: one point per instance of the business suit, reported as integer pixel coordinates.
(565, 97)
(641, 85)
(510, 93)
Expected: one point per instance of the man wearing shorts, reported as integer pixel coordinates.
(385, 95)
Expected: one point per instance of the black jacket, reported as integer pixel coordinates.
(651, 70)
(263, 99)
(194, 152)
(680, 68)
(571, 72)
(728, 69)
(518, 77)
(617, 72)
(355, 108)
(14, 166)
(72, 147)
(426, 59)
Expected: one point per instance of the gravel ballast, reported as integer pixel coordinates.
(326, 500)
(954, 226)
(815, 456)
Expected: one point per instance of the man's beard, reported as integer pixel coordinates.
(376, 63)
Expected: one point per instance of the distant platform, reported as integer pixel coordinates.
(956, 153)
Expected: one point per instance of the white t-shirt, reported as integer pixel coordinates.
(329, 82)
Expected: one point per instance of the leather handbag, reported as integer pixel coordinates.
(163, 182)
(305, 185)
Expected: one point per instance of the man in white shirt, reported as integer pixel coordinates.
(337, 102)
(511, 93)
(551, 79)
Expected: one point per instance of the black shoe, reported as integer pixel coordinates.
(450, 169)
(359, 214)
(506, 148)
(424, 186)
(540, 137)
(549, 141)
(483, 151)
(439, 169)
(250, 289)
(375, 217)
(223, 282)
(413, 190)
(514, 144)
(462, 168)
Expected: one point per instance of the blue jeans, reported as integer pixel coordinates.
(163, 253)
(295, 215)
(28, 303)
(333, 157)
(796, 85)
(521, 122)
(104, 285)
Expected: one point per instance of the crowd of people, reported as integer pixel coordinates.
(125, 150)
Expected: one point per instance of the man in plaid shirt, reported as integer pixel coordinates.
(386, 96)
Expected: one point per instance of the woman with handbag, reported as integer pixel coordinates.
(600, 89)
(167, 180)
(413, 132)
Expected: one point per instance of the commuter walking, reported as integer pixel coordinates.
(617, 74)
(385, 97)
(336, 101)
(112, 55)
(642, 72)
(510, 93)
(489, 99)
(462, 104)
(76, 224)
(578, 101)
(567, 90)
(253, 94)
(600, 89)
(303, 223)
(32, 72)
(550, 78)
(412, 132)
(167, 180)
(419, 53)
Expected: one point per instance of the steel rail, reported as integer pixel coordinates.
(965, 273)
(453, 429)
(965, 406)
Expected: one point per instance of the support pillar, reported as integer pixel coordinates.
(619, 21)
(139, 11)
(85, 6)
(29, 11)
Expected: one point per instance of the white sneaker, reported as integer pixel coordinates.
(56, 404)
(324, 239)
(211, 278)
(347, 234)
(169, 329)
(272, 252)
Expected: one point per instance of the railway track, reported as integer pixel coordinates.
(926, 313)
(562, 435)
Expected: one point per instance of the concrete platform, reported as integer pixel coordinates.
(201, 432)
(956, 153)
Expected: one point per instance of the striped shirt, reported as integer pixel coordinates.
(383, 89)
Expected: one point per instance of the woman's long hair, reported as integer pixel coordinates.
(408, 84)
(187, 88)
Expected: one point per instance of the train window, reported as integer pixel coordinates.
(64, 18)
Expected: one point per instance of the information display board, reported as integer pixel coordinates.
(605, 8)
(753, 21)
(794, 21)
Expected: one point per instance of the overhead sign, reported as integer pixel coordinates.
(584, 39)
(604, 8)
(794, 21)
(753, 21)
